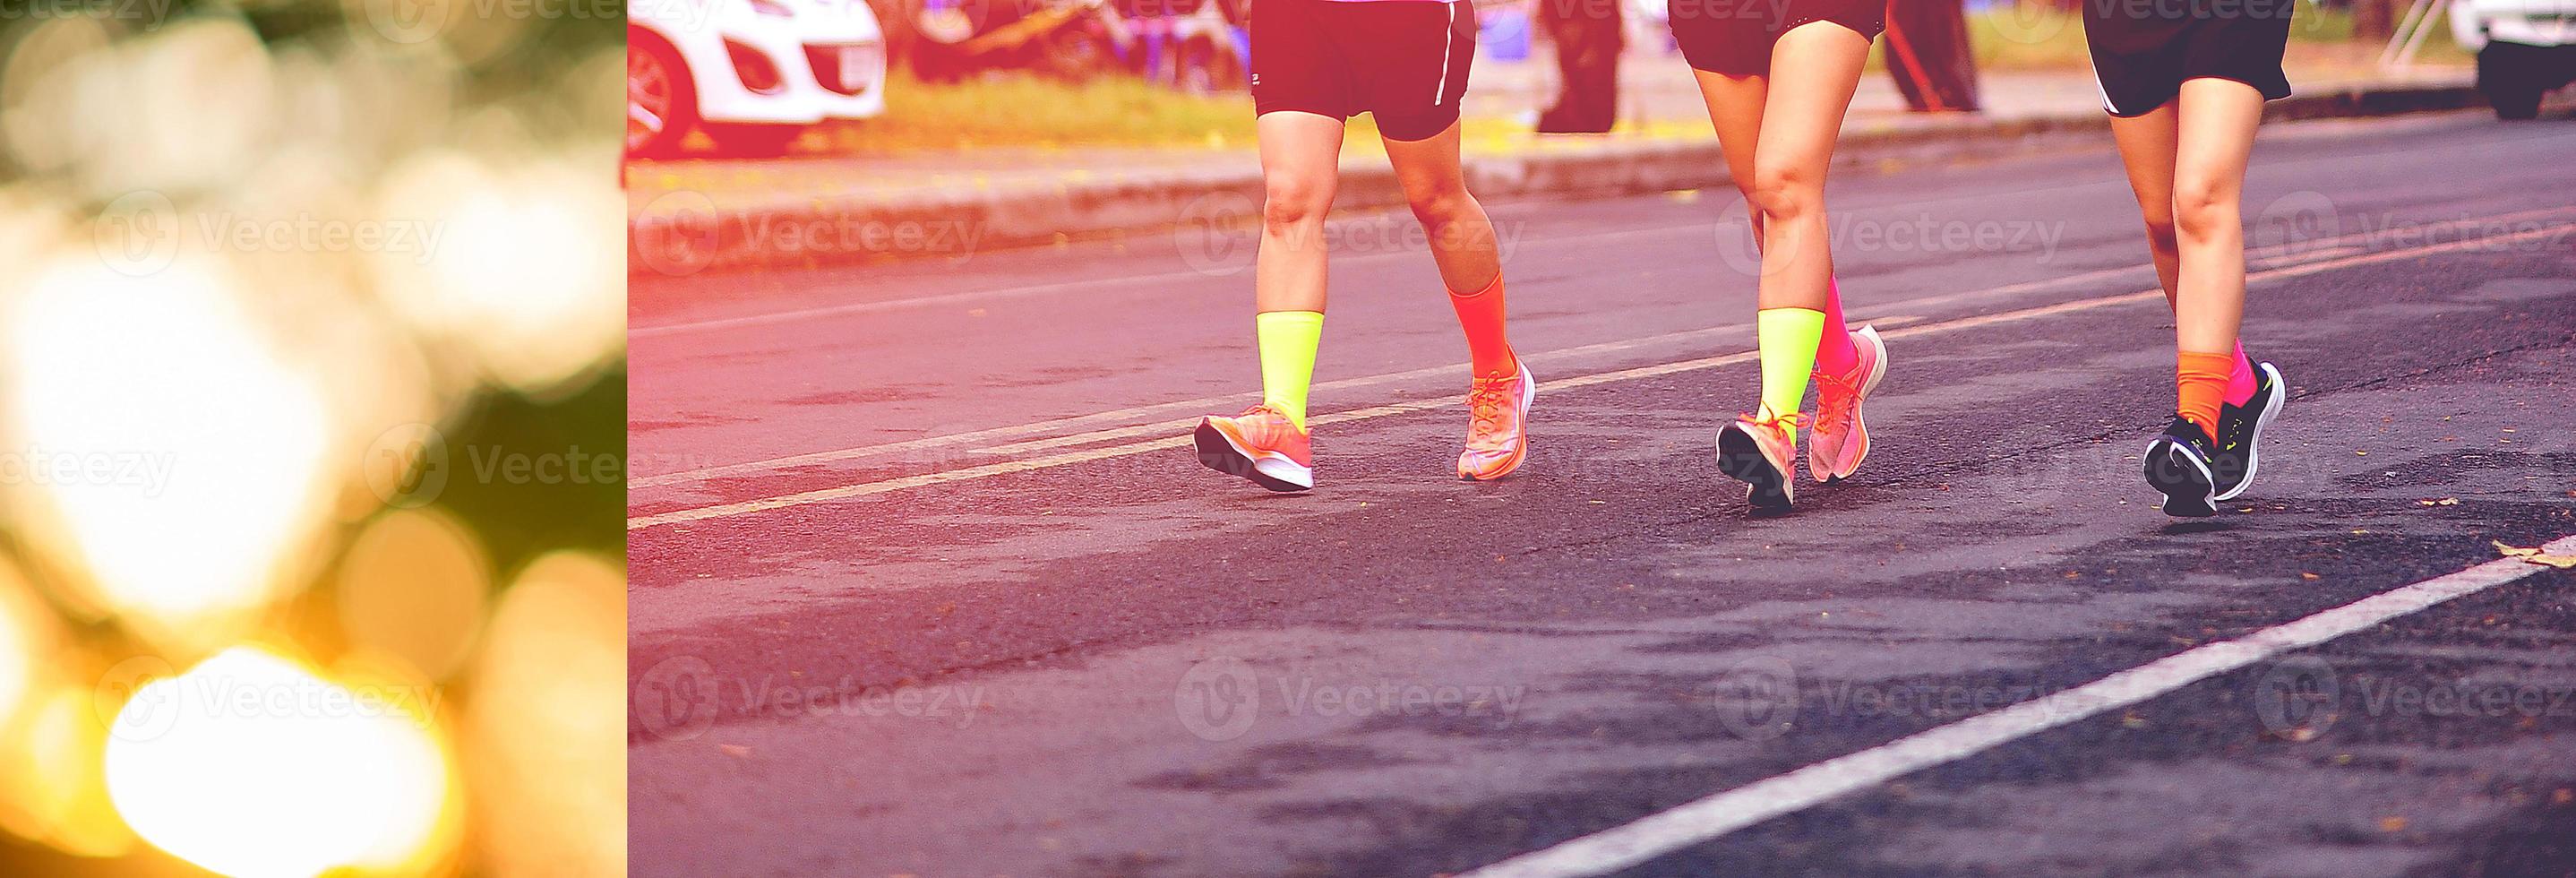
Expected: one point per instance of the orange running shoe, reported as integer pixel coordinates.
(1497, 435)
(1262, 445)
(1839, 439)
(1757, 451)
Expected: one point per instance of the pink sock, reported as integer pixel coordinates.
(1834, 353)
(2240, 381)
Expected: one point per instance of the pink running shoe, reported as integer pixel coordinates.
(1497, 432)
(1262, 445)
(1839, 439)
(1758, 451)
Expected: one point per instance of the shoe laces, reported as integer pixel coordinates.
(1486, 397)
(1265, 422)
(1757, 419)
(1833, 406)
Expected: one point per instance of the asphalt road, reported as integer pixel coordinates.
(927, 582)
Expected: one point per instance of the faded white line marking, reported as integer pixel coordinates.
(1699, 821)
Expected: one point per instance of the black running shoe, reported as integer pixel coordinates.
(2178, 467)
(2240, 432)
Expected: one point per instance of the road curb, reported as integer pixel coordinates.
(682, 233)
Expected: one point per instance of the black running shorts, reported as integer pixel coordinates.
(1734, 37)
(2144, 49)
(1404, 61)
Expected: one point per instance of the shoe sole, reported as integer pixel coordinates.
(2183, 479)
(1217, 451)
(1740, 458)
(1860, 428)
(2254, 450)
(1529, 397)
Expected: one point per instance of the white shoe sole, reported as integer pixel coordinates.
(1269, 469)
(1529, 397)
(2184, 497)
(2254, 451)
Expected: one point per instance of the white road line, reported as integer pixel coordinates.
(897, 304)
(1716, 815)
(862, 489)
(2313, 251)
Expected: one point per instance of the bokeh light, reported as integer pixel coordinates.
(413, 587)
(548, 730)
(253, 257)
(518, 278)
(57, 779)
(26, 638)
(263, 769)
(180, 498)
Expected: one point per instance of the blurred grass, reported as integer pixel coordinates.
(1027, 111)
(2042, 39)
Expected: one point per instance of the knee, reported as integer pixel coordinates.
(2203, 208)
(1292, 201)
(1439, 204)
(1782, 194)
(2160, 227)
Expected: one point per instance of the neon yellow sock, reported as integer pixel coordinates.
(1288, 342)
(1788, 337)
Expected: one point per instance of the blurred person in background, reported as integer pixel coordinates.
(1929, 56)
(1589, 36)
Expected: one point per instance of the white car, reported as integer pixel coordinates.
(2525, 49)
(752, 74)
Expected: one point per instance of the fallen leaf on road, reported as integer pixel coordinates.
(2307, 576)
(735, 750)
(2446, 501)
(2392, 824)
(2533, 555)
